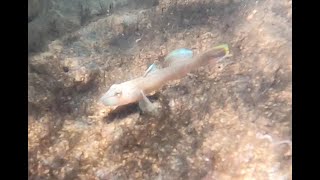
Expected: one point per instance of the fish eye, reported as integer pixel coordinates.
(117, 94)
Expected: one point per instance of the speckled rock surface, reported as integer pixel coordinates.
(229, 122)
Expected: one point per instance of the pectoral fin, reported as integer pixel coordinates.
(146, 105)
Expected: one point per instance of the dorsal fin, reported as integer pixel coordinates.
(153, 67)
(177, 56)
(174, 57)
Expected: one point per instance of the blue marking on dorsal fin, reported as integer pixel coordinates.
(150, 69)
(178, 55)
(174, 57)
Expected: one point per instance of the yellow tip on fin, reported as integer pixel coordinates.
(225, 47)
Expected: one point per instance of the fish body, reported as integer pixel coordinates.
(180, 63)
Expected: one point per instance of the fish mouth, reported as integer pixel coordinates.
(108, 100)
